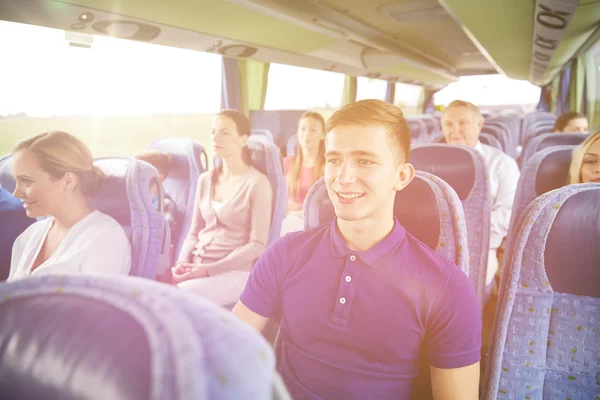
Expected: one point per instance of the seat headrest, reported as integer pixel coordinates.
(185, 153)
(453, 164)
(258, 154)
(113, 198)
(572, 254)
(415, 128)
(6, 179)
(561, 139)
(281, 123)
(416, 209)
(553, 171)
(70, 347)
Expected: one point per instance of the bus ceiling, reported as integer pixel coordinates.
(423, 42)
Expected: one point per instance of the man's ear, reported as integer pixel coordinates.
(406, 174)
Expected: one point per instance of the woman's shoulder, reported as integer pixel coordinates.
(104, 223)
(257, 177)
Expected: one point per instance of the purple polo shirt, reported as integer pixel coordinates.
(362, 325)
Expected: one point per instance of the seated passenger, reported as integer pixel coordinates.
(462, 123)
(305, 168)
(572, 122)
(14, 221)
(585, 163)
(232, 218)
(56, 177)
(162, 162)
(364, 305)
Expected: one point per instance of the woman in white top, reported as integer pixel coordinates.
(56, 177)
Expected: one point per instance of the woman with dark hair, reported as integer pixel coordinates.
(572, 122)
(232, 217)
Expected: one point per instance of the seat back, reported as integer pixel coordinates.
(264, 133)
(123, 338)
(125, 196)
(189, 161)
(546, 170)
(291, 146)
(418, 130)
(428, 208)
(7, 182)
(267, 159)
(281, 123)
(490, 140)
(546, 140)
(465, 170)
(546, 333)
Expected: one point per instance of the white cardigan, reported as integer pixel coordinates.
(96, 245)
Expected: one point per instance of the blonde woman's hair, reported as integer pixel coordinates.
(293, 177)
(577, 158)
(58, 153)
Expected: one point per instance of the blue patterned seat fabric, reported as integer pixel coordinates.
(7, 182)
(428, 208)
(189, 161)
(125, 196)
(546, 140)
(465, 170)
(546, 339)
(125, 338)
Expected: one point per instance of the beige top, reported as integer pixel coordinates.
(234, 236)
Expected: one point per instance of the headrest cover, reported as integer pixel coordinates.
(553, 171)
(113, 196)
(572, 253)
(561, 139)
(7, 181)
(416, 209)
(453, 164)
(71, 347)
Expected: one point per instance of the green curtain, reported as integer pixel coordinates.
(350, 85)
(577, 85)
(254, 77)
(554, 94)
(592, 82)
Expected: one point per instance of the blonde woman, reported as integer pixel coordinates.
(305, 168)
(55, 176)
(585, 163)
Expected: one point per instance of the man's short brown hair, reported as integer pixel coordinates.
(375, 112)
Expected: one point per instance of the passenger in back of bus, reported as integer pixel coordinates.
(232, 217)
(305, 168)
(585, 163)
(462, 122)
(14, 221)
(162, 162)
(367, 311)
(55, 176)
(571, 122)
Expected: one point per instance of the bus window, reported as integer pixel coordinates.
(296, 88)
(368, 88)
(408, 98)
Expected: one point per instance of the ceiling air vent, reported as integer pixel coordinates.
(412, 11)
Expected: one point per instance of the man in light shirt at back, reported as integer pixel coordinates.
(462, 123)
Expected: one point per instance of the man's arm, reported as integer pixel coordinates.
(253, 319)
(455, 383)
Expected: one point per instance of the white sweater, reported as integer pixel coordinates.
(96, 245)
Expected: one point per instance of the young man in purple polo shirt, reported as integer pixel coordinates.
(363, 304)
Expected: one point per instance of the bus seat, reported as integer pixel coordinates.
(125, 338)
(490, 140)
(267, 159)
(545, 170)
(428, 208)
(546, 140)
(418, 130)
(465, 170)
(264, 133)
(499, 134)
(189, 161)
(545, 340)
(281, 123)
(7, 182)
(125, 196)
(291, 146)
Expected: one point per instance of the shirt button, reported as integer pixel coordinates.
(352, 257)
(343, 300)
(348, 279)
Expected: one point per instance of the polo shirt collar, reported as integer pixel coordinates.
(376, 254)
